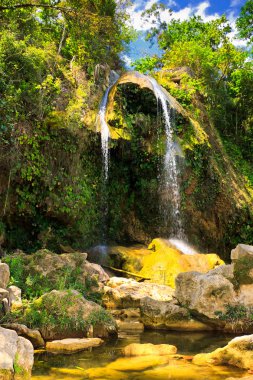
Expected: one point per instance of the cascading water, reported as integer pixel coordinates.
(105, 138)
(170, 170)
(170, 184)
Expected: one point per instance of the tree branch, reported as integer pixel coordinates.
(28, 5)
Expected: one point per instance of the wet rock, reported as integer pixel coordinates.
(168, 315)
(238, 353)
(72, 345)
(129, 326)
(136, 349)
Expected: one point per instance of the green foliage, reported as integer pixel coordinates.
(245, 21)
(237, 315)
(101, 316)
(147, 64)
(51, 312)
(34, 285)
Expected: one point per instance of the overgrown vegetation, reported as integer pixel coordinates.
(239, 316)
(34, 283)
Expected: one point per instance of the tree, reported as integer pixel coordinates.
(244, 22)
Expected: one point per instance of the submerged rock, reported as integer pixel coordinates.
(136, 349)
(16, 355)
(72, 345)
(238, 353)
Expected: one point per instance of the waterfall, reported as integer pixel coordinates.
(105, 138)
(105, 132)
(170, 182)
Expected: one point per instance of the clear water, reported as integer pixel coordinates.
(106, 362)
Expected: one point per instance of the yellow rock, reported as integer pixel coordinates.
(136, 349)
(238, 353)
(105, 373)
(162, 262)
(72, 345)
(136, 364)
(165, 263)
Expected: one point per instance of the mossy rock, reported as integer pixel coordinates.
(243, 270)
(66, 314)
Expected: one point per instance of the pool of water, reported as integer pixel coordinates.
(107, 363)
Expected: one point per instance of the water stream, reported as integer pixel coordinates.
(170, 184)
(107, 363)
(105, 138)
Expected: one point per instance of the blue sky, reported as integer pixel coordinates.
(182, 9)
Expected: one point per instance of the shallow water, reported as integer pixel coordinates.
(106, 362)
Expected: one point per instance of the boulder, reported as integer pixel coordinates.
(33, 335)
(137, 349)
(72, 345)
(3, 294)
(168, 315)
(204, 294)
(242, 250)
(4, 275)
(162, 261)
(14, 296)
(67, 314)
(16, 355)
(65, 271)
(24, 356)
(127, 293)
(238, 353)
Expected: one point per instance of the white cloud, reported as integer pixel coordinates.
(128, 61)
(235, 3)
(182, 14)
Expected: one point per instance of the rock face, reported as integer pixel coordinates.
(136, 349)
(16, 354)
(204, 294)
(66, 314)
(72, 345)
(123, 293)
(238, 353)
